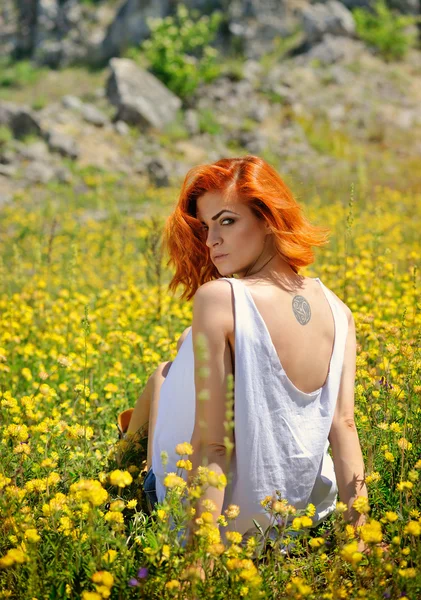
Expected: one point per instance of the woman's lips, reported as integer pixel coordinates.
(221, 256)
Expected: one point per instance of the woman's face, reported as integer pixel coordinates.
(232, 230)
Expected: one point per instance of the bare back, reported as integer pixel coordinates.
(301, 325)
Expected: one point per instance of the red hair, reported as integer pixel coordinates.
(256, 184)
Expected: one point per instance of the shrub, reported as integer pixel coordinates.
(385, 30)
(17, 74)
(179, 50)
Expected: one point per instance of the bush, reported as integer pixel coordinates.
(179, 50)
(17, 74)
(385, 30)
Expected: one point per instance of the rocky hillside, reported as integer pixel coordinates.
(329, 104)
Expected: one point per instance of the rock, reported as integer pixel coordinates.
(62, 174)
(331, 18)
(20, 119)
(7, 156)
(62, 144)
(158, 171)
(8, 170)
(141, 99)
(46, 20)
(254, 141)
(255, 24)
(258, 111)
(122, 128)
(24, 122)
(191, 121)
(129, 28)
(252, 71)
(49, 54)
(334, 49)
(39, 172)
(37, 151)
(72, 102)
(93, 115)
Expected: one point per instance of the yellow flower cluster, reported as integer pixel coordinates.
(103, 581)
(120, 479)
(350, 553)
(172, 480)
(361, 505)
(184, 449)
(413, 528)
(300, 522)
(371, 532)
(90, 490)
(206, 476)
(245, 570)
(297, 588)
(14, 555)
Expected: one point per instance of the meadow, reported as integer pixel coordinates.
(86, 318)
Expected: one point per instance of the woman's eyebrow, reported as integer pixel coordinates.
(220, 213)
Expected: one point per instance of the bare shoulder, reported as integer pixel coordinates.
(216, 289)
(345, 307)
(214, 297)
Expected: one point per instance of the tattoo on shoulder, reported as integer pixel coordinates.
(301, 309)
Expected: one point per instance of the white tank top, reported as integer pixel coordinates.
(281, 432)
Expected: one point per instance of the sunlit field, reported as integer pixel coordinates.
(86, 318)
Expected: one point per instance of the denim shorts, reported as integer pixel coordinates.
(149, 487)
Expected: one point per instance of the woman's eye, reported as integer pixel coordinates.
(205, 227)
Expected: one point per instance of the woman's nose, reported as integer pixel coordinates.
(212, 239)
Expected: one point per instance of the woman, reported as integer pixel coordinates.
(288, 341)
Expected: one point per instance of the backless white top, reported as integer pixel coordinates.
(281, 432)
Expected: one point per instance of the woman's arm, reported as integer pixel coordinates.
(211, 322)
(343, 436)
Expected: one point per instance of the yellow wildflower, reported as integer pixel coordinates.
(120, 478)
(232, 511)
(32, 535)
(341, 507)
(412, 528)
(109, 556)
(174, 584)
(361, 505)
(234, 536)
(316, 542)
(184, 449)
(306, 521)
(350, 553)
(391, 516)
(104, 578)
(91, 596)
(371, 532)
(404, 444)
(404, 485)
(90, 490)
(172, 481)
(114, 517)
(184, 464)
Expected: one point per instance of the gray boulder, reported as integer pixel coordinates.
(128, 28)
(332, 18)
(140, 98)
(93, 115)
(62, 144)
(335, 49)
(158, 171)
(39, 172)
